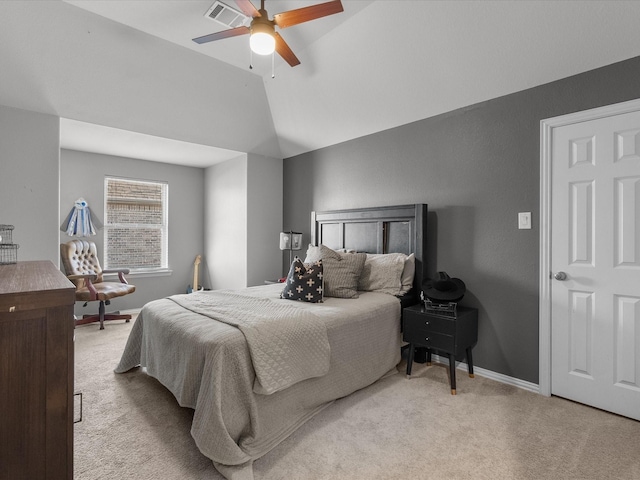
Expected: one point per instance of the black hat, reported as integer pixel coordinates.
(444, 289)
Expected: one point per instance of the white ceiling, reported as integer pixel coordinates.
(179, 21)
(88, 137)
(377, 65)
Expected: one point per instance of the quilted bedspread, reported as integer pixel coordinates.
(208, 366)
(287, 344)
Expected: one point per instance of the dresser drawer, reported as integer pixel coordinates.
(429, 323)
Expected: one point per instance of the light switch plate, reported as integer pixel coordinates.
(524, 220)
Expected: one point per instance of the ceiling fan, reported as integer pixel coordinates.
(264, 39)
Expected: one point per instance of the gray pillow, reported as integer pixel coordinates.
(341, 270)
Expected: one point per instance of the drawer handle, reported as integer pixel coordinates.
(426, 339)
(426, 323)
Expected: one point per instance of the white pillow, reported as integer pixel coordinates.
(383, 273)
(313, 254)
(408, 274)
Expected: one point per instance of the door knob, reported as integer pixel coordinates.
(560, 276)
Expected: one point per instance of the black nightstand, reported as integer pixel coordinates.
(452, 336)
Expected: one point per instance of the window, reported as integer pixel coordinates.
(136, 227)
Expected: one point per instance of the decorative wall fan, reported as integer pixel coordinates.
(264, 39)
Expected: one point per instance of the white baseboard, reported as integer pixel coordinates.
(498, 377)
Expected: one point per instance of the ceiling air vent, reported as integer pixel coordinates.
(226, 15)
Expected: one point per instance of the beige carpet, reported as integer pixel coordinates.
(132, 428)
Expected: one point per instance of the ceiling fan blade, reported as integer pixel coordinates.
(233, 32)
(300, 15)
(248, 9)
(285, 52)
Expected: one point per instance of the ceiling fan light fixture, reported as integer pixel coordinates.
(262, 41)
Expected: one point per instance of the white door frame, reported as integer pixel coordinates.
(544, 319)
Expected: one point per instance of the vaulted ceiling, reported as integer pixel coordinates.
(131, 65)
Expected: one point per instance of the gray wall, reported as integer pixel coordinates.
(476, 167)
(29, 158)
(82, 175)
(264, 218)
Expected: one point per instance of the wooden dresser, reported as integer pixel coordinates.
(36, 372)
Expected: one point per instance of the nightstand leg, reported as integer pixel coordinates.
(452, 373)
(410, 360)
(470, 363)
(428, 357)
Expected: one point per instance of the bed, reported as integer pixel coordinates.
(255, 367)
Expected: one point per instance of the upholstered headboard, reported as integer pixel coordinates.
(400, 229)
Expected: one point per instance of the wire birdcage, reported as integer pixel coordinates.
(8, 254)
(8, 249)
(5, 234)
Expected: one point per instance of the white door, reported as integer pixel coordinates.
(595, 262)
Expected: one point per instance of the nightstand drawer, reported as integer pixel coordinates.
(429, 323)
(432, 340)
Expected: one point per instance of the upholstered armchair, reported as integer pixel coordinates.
(81, 264)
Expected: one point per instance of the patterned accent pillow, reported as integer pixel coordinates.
(304, 282)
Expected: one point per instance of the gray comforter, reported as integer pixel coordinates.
(207, 365)
(287, 344)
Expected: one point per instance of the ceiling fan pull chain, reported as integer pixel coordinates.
(273, 63)
(250, 59)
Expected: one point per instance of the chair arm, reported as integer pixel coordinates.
(88, 279)
(120, 272)
(88, 276)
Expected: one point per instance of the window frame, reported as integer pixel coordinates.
(163, 269)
